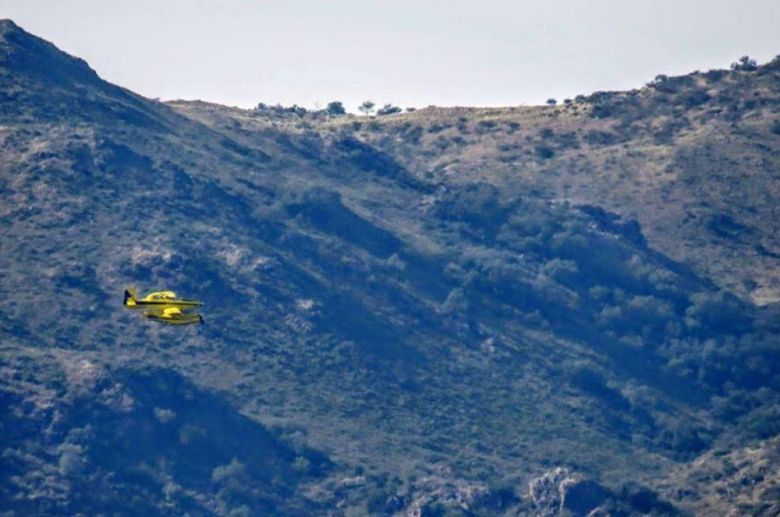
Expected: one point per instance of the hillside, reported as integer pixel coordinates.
(691, 158)
(449, 310)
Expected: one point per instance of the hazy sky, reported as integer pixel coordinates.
(410, 53)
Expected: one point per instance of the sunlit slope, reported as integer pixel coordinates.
(692, 158)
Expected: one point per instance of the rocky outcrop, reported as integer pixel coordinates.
(436, 493)
(559, 491)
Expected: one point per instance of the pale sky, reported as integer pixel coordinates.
(409, 53)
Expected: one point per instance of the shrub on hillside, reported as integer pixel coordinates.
(744, 64)
(544, 152)
(568, 140)
(715, 312)
(585, 377)
(388, 109)
(714, 76)
(682, 437)
(658, 80)
(485, 126)
(561, 270)
(477, 204)
(335, 108)
(763, 422)
(693, 98)
(412, 134)
(367, 108)
(598, 137)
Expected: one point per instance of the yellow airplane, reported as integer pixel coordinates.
(163, 306)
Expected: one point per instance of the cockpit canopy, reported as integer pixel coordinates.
(161, 295)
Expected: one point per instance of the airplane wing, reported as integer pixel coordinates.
(170, 307)
(163, 311)
(174, 316)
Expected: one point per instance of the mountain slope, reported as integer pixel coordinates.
(692, 158)
(442, 335)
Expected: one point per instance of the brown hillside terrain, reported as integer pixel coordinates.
(745, 481)
(693, 159)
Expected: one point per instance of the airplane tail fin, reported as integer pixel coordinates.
(129, 300)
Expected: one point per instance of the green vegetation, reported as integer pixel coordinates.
(367, 108)
(388, 109)
(745, 64)
(335, 108)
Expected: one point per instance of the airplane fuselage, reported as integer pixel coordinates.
(164, 307)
